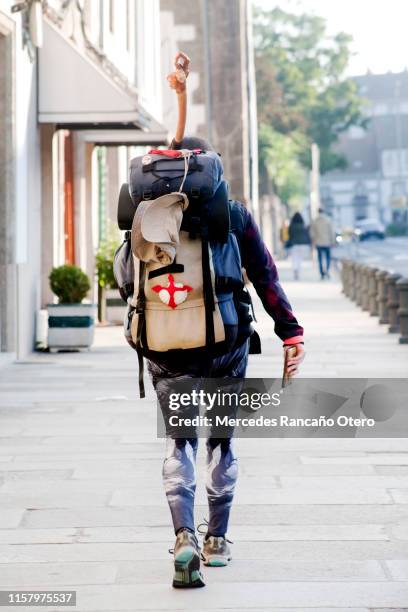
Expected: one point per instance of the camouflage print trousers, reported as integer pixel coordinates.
(179, 467)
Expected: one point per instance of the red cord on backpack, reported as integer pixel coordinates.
(171, 152)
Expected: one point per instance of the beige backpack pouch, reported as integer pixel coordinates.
(175, 311)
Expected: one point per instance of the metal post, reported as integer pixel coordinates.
(345, 267)
(382, 297)
(402, 286)
(372, 292)
(393, 302)
(364, 287)
(358, 283)
(352, 280)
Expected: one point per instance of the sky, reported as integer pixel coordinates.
(379, 29)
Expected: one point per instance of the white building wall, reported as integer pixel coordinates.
(148, 60)
(135, 52)
(27, 190)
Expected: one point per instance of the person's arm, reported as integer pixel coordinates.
(262, 272)
(178, 81)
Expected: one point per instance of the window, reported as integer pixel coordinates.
(398, 189)
(394, 162)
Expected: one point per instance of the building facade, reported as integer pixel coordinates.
(81, 92)
(75, 78)
(375, 183)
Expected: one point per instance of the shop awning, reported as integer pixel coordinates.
(76, 93)
(123, 137)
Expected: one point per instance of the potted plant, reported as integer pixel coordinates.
(70, 322)
(110, 305)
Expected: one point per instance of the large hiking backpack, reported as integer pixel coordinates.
(183, 296)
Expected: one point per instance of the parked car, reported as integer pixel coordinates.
(369, 229)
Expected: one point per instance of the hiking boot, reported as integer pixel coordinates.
(187, 573)
(216, 551)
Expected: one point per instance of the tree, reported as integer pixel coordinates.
(280, 157)
(303, 94)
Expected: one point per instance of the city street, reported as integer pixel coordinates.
(127, 132)
(391, 253)
(317, 525)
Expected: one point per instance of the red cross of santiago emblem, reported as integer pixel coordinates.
(174, 293)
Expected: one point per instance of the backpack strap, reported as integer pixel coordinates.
(227, 284)
(237, 221)
(141, 326)
(172, 268)
(208, 292)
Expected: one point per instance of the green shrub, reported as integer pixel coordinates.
(69, 283)
(104, 258)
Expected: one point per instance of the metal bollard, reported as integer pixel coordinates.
(382, 298)
(347, 278)
(372, 292)
(344, 275)
(402, 287)
(364, 287)
(393, 302)
(351, 281)
(358, 283)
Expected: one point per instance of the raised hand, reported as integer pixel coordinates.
(177, 79)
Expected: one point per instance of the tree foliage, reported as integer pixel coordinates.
(104, 257)
(280, 157)
(303, 94)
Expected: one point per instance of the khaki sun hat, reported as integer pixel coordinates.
(156, 226)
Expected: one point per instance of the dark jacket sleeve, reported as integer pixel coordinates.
(262, 273)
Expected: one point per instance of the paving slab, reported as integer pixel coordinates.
(11, 517)
(260, 514)
(34, 475)
(247, 595)
(259, 570)
(245, 533)
(398, 568)
(318, 524)
(46, 575)
(343, 481)
(322, 551)
(400, 496)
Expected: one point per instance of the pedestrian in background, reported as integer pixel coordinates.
(299, 243)
(323, 238)
(284, 237)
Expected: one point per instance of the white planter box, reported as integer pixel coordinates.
(115, 307)
(71, 325)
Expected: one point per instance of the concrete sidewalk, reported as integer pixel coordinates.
(317, 524)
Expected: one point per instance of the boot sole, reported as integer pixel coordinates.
(214, 561)
(187, 573)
